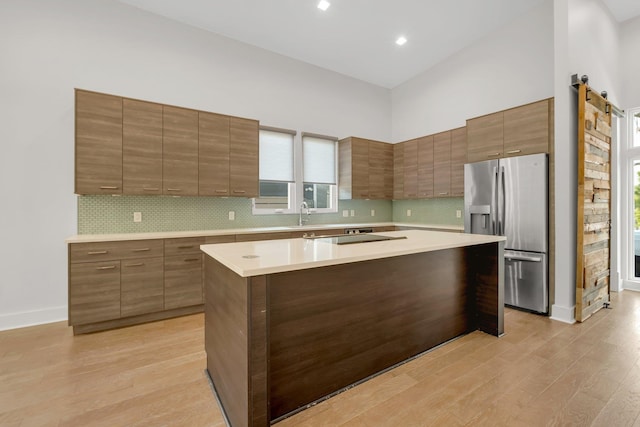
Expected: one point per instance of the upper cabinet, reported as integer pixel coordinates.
(365, 169)
(127, 146)
(98, 143)
(410, 169)
(442, 164)
(243, 157)
(398, 171)
(141, 147)
(425, 166)
(179, 151)
(213, 154)
(515, 132)
(458, 159)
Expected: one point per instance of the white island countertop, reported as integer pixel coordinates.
(276, 256)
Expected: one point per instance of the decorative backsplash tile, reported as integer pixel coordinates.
(429, 211)
(114, 214)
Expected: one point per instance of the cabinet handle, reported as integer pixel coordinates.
(185, 247)
(444, 194)
(493, 155)
(150, 189)
(108, 267)
(174, 189)
(141, 250)
(514, 151)
(191, 259)
(222, 191)
(108, 187)
(138, 264)
(97, 252)
(239, 191)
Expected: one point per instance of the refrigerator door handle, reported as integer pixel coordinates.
(494, 201)
(503, 215)
(522, 258)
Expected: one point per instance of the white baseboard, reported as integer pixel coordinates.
(563, 314)
(31, 318)
(631, 285)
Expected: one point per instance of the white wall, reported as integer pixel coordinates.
(48, 48)
(630, 63)
(510, 67)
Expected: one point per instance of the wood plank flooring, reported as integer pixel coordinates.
(541, 373)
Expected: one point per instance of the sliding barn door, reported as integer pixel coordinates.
(594, 202)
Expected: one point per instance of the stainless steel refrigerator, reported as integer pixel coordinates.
(508, 197)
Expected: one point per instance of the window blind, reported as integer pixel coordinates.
(319, 159)
(276, 156)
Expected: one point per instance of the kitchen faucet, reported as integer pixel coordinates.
(301, 220)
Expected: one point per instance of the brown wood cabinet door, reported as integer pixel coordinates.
(141, 147)
(442, 164)
(180, 151)
(377, 169)
(243, 152)
(410, 169)
(182, 281)
(526, 129)
(398, 171)
(141, 286)
(98, 143)
(458, 159)
(213, 155)
(360, 168)
(485, 138)
(94, 292)
(425, 166)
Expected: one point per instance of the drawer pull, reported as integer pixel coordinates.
(108, 187)
(174, 189)
(514, 151)
(137, 264)
(108, 267)
(222, 191)
(150, 189)
(239, 191)
(191, 259)
(141, 250)
(185, 247)
(493, 155)
(444, 193)
(97, 252)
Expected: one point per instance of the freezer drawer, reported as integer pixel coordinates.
(525, 280)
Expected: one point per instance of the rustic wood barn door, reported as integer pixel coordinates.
(594, 202)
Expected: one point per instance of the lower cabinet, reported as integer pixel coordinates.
(182, 281)
(141, 286)
(94, 292)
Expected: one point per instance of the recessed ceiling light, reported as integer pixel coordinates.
(324, 5)
(401, 40)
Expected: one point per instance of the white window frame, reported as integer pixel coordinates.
(628, 156)
(296, 189)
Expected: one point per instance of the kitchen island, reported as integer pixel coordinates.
(289, 322)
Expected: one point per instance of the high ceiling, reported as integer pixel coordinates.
(357, 37)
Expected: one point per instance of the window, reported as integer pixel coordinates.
(293, 170)
(319, 177)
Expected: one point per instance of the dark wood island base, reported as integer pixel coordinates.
(278, 342)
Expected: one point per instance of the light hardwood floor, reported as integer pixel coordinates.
(540, 373)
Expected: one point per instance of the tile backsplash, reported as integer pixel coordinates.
(114, 214)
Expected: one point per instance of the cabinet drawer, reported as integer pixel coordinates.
(182, 281)
(186, 246)
(104, 251)
(230, 238)
(94, 292)
(262, 236)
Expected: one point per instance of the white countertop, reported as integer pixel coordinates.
(88, 238)
(276, 256)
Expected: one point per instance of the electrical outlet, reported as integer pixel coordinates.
(353, 213)
(408, 212)
(373, 212)
(345, 213)
(458, 213)
(232, 216)
(137, 217)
